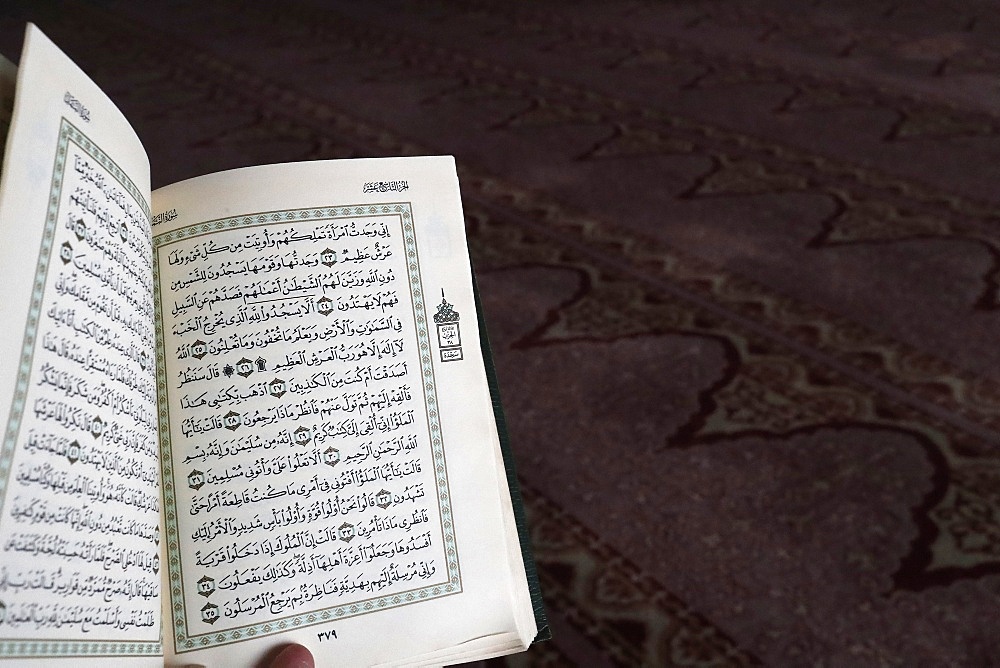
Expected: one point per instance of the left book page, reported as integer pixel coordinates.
(80, 571)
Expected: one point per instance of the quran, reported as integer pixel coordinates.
(247, 409)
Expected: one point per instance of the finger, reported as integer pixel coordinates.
(294, 656)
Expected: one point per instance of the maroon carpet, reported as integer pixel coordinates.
(741, 267)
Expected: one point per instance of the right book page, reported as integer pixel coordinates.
(331, 466)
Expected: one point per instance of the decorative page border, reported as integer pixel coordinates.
(72, 649)
(453, 585)
(31, 648)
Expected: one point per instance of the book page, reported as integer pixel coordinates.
(79, 486)
(330, 460)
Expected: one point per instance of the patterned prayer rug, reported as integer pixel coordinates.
(741, 270)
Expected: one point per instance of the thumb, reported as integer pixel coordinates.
(293, 656)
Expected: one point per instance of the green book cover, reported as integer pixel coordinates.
(541, 621)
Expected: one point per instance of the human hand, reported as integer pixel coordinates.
(293, 656)
(290, 656)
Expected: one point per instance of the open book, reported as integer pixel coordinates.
(244, 410)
